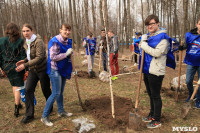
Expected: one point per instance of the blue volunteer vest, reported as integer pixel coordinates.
(92, 45)
(153, 42)
(136, 42)
(64, 66)
(193, 49)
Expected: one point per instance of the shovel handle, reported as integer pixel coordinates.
(100, 59)
(179, 71)
(76, 81)
(140, 79)
(194, 92)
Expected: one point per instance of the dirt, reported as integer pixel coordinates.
(100, 108)
(169, 93)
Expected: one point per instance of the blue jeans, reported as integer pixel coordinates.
(191, 70)
(105, 60)
(58, 84)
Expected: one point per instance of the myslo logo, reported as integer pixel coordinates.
(192, 129)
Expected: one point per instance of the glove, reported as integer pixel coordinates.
(198, 82)
(180, 48)
(114, 56)
(101, 47)
(144, 37)
(101, 42)
(69, 51)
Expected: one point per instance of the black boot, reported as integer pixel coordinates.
(20, 106)
(16, 110)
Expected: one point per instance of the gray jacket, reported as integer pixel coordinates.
(114, 44)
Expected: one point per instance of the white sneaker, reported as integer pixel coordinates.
(64, 114)
(135, 64)
(46, 121)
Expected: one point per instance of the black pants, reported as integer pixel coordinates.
(153, 85)
(135, 55)
(31, 83)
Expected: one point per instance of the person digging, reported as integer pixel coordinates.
(89, 43)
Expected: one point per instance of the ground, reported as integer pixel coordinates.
(96, 97)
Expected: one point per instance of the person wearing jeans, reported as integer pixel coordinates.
(158, 54)
(59, 68)
(192, 59)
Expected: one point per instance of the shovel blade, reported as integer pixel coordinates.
(185, 109)
(134, 121)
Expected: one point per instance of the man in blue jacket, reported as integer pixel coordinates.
(90, 42)
(192, 59)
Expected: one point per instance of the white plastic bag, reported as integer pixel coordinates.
(104, 76)
(83, 124)
(174, 82)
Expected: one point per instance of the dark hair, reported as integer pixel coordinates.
(110, 31)
(139, 33)
(90, 34)
(28, 26)
(149, 18)
(67, 26)
(103, 29)
(12, 31)
(198, 19)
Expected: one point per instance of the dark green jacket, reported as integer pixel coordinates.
(11, 53)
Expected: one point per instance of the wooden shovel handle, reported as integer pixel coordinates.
(140, 80)
(179, 71)
(100, 59)
(76, 81)
(194, 92)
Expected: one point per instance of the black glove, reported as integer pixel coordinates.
(180, 48)
(114, 56)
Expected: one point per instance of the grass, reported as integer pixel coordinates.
(125, 86)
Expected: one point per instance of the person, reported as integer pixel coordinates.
(158, 53)
(11, 51)
(59, 68)
(90, 42)
(192, 59)
(102, 41)
(114, 47)
(36, 63)
(136, 47)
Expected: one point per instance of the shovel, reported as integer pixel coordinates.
(135, 119)
(187, 105)
(77, 87)
(179, 73)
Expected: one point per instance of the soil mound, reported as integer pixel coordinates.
(100, 108)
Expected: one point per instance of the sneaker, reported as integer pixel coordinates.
(188, 99)
(147, 119)
(114, 78)
(154, 124)
(64, 114)
(197, 104)
(46, 121)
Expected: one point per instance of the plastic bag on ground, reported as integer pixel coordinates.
(83, 124)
